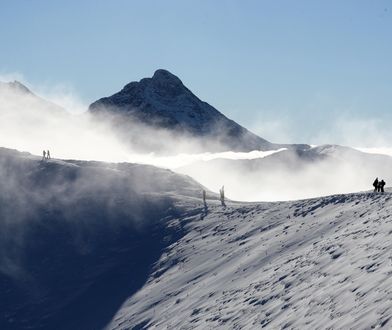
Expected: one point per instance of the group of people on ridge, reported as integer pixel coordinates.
(379, 185)
(45, 155)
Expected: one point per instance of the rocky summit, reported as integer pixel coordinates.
(164, 102)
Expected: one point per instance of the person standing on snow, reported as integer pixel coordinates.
(43, 155)
(375, 185)
(48, 155)
(381, 186)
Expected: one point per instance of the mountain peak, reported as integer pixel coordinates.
(163, 82)
(166, 81)
(15, 86)
(163, 101)
(165, 75)
(166, 85)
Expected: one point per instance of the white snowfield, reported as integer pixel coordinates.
(322, 263)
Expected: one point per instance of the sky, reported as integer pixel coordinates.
(291, 71)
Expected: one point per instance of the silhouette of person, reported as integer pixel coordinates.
(48, 154)
(43, 155)
(204, 197)
(381, 185)
(375, 184)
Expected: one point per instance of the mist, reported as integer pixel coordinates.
(252, 181)
(30, 123)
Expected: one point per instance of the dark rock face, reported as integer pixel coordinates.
(164, 102)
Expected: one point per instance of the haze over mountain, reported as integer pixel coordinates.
(293, 174)
(163, 102)
(20, 98)
(160, 114)
(29, 122)
(15, 86)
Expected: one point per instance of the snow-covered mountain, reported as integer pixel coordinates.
(16, 95)
(90, 245)
(14, 86)
(164, 102)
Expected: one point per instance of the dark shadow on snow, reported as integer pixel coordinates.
(75, 243)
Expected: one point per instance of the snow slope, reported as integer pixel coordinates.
(90, 245)
(322, 263)
(78, 238)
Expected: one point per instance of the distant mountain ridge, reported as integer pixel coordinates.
(18, 95)
(164, 102)
(15, 86)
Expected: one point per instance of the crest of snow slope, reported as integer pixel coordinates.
(308, 264)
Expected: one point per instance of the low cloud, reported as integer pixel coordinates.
(31, 124)
(177, 161)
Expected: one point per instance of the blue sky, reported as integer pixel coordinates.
(293, 71)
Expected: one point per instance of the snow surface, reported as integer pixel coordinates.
(78, 238)
(323, 263)
(90, 245)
